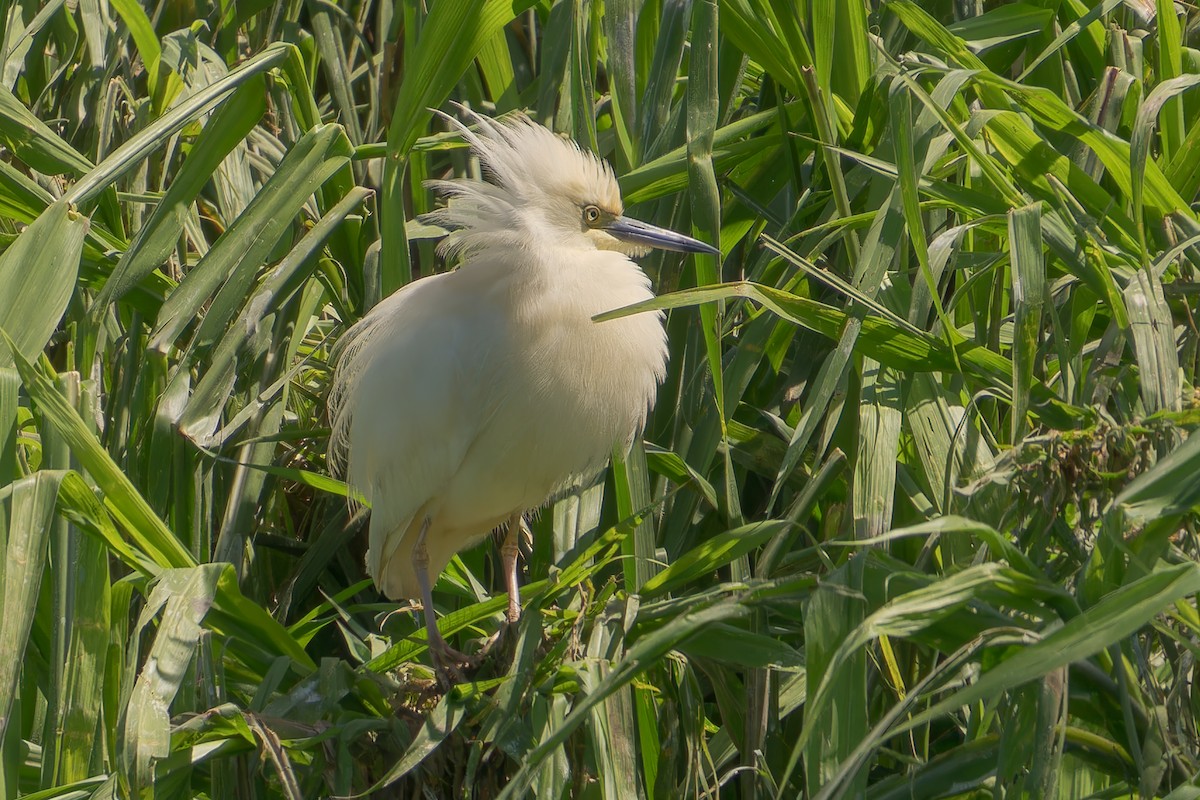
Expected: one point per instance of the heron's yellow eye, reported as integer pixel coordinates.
(591, 215)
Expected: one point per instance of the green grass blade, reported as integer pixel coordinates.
(234, 260)
(160, 234)
(32, 141)
(1028, 293)
(1153, 334)
(1139, 147)
(184, 596)
(880, 416)
(1113, 618)
(141, 523)
(647, 651)
(154, 135)
(37, 278)
(450, 39)
(1168, 489)
(30, 513)
(632, 481)
(712, 554)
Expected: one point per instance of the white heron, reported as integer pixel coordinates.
(470, 397)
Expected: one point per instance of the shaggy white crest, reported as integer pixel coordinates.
(533, 172)
(470, 397)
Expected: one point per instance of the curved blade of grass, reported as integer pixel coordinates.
(160, 234)
(1139, 147)
(77, 502)
(904, 616)
(236, 257)
(144, 38)
(207, 403)
(1001, 25)
(713, 553)
(238, 616)
(730, 644)
(1115, 617)
(31, 511)
(1049, 110)
(894, 345)
(672, 466)
(139, 520)
(155, 135)
(773, 40)
(37, 278)
(449, 40)
(34, 142)
(1170, 40)
(1167, 489)
(1069, 33)
(668, 173)
(187, 594)
(439, 724)
(647, 651)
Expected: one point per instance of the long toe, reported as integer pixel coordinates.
(501, 646)
(497, 642)
(448, 664)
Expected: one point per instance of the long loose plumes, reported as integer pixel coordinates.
(527, 163)
(348, 369)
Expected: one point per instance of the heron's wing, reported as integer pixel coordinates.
(411, 398)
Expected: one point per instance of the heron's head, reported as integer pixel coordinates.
(546, 185)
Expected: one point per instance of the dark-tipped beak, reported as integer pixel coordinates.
(635, 232)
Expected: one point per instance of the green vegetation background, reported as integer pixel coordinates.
(916, 512)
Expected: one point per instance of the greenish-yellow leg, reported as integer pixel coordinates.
(446, 660)
(510, 550)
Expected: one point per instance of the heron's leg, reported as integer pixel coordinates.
(445, 658)
(510, 550)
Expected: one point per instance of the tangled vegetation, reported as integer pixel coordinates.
(915, 515)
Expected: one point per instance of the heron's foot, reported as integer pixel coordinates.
(449, 664)
(498, 642)
(501, 647)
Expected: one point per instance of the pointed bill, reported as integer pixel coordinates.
(641, 233)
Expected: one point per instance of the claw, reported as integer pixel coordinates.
(448, 663)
